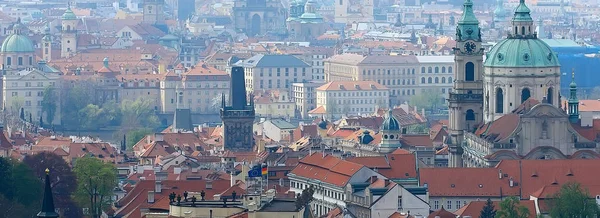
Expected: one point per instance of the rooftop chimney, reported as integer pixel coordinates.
(157, 187)
(237, 93)
(150, 197)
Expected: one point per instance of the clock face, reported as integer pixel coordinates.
(470, 47)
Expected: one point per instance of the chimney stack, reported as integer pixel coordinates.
(157, 187)
(150, 197)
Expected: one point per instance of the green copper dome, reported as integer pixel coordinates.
(522, 13)
(390, 123)
(69, 15)
(513, 52)
(17, 42)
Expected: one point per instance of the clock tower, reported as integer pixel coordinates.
(465, 101)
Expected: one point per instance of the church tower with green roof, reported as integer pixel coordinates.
(465, 99)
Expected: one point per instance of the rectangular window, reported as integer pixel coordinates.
(436, 205)
(449, 205)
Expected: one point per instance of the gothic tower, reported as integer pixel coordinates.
(47, 45)
(465, 100)
(153, 12)
(68, 42)
(238, 117)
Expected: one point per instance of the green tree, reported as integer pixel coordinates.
(63, 180)
(430, 100)
(17, 104)
(305, 198)
(49, 104)
(572, 200)
(511, 208)
(417, 129)
(111, 111)
(75, 98)
(91, 117)
(96, 181)
(138, 113)
(18, 186)
(488, 210)
(135, 136)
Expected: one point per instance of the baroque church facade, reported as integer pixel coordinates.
(258, 17)
(508, 106)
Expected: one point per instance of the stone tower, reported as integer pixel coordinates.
(68, 41)
(238, 116)
(153, 12)
(47, 45)
(465, 100)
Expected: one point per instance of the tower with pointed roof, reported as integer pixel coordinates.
(573, 108)
(48, 210)
(68, 42)
(391, 133)
(465, 99)
(238, 116)
(499, 14)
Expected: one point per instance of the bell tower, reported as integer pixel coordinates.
(465, 101)
(68, 42)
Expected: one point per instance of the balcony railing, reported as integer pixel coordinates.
(466, 97)
(505, 145)
(585, 145)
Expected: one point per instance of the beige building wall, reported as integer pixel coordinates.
(25, 89)
(305, 97)
(266, 78)
(352, 97)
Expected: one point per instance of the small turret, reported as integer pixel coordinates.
(48, 202)
(573, 108)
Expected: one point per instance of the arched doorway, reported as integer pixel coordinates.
(255, 25)
(525, 94)
(470, 115)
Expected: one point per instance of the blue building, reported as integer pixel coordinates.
(585, 60)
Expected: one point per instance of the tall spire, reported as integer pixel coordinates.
(48, 203)
(573, 109)
(468, 25)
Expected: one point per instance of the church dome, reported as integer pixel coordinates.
(513, 52)
(69, 15)
(390, 123)
(366, 137)
(323, 124)
(17, 42)
(522, 48)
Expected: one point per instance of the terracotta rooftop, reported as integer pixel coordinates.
(326, 168)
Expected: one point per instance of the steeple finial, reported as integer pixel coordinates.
(48, 202)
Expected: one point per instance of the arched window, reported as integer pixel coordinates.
(8, 61)
(523, 30)
(470, 115)
(469, 71)
(437, 70)
(516, 32)
(443, 69)
(437, 80)
(422, 69)
(413, 71)
(429, 80)
(443, 79)
(450, 80)
(403, 82)
(449, 69)
(499, 100)
(422, 79)
(20, 61)
(525, 94)
(550, 95)
(429, 70)
(30, 60)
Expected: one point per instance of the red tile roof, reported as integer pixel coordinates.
(474, 208)
(137, 198)
(441, 213)
(393, 166)
(326, 168)
(466, 182)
